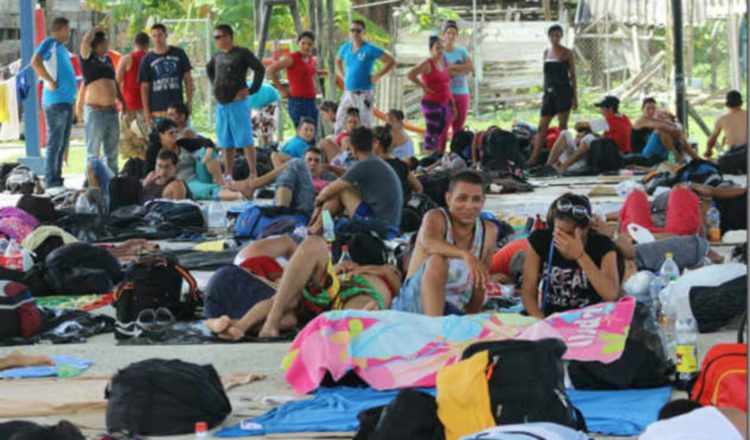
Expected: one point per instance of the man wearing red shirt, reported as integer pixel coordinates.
(132, 143)
(619, 126)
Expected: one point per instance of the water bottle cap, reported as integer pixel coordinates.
(668, 255)
(201, 427)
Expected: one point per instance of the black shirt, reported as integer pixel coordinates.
(402, 171)
(95, 67)
(569, 288)
(165, 73)
(228, 72)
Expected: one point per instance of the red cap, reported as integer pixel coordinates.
(201, 427)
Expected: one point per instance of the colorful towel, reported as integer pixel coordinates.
(390, 349)
(65, 366)
(85, 303)
(620, 413)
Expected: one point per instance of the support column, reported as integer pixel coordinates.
(31, 124)
(679, 67)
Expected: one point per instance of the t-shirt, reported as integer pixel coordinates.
(654, 147)
(569, 288)
(502, 258)
(295, 147)
(402, 171)
(322, 181)
(380, 188)
(459, 83)
(265, 96)
(620, 130)
(706, 423)
(405, 150)
(228, 72)
(165, 73)
(359, 65)
(56, 59)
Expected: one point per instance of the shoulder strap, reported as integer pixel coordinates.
(448, 227)
(195, 292)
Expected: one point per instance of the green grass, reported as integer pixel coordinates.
(76, 159)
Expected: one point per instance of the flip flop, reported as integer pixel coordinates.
(640, 234)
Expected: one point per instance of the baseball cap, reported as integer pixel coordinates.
(609, 101)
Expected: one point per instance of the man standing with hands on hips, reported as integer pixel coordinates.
(227, 71)
(355, 61)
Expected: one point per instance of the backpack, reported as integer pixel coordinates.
(21, 180)
(411, 415)
(435, 185)
(158, 397)
(5, 169)
(414, 209)
(461, 143)
(500, 152)
(734, 161)
(152, 282)
(722, 381)
(604, 156)
(81, 269)
(125, 191)
(526, 382)
(40, 207)
(254, 220)
(714, 307)
(19, 315)
(163, 214)
(699, 171)
(644, 362)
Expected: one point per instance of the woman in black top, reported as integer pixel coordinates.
(560, 96)
(577, 265)
(383, 140)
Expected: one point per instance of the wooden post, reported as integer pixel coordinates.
(546, 4)
(330, 42)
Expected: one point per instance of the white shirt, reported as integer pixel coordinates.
(706, 423)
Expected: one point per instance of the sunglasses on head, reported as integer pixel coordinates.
(577, 211)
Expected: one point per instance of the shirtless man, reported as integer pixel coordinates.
(311, 284)
(733, 124)
(162, 183)
(449, 267)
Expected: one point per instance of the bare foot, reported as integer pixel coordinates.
(268, 332)
(232, 333)
(219, 325)
(17, 359)
(715, 257)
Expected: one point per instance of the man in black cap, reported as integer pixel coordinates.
(618, 126)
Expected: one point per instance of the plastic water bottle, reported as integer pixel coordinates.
(654, 289)
(667, 313)
(345, 256)
(329, 231)
(713, 223)
(686, 353)
(217, 215)
(669, 270)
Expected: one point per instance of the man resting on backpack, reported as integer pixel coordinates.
(310, 285)
(448, 269)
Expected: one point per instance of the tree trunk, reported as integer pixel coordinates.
(380, 14)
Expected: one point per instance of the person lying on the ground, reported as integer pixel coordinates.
(675, 212)
(295, 147)
(682, 419)
(569, 153)
(310, 285)
(162, 183)
(577, 265)
(403, 146)
(16, 359)
(448, 268)
(382, 148)
(730, 200)
(180, 115)
(506, 266)
(321, 176)
(199, 169)
(733, 124)
(294, 185)
(369, 192)
(338, 149)
(689, 251)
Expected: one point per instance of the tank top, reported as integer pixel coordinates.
(555, 73)
(459, 285)
(477, 245)
(439, 81)
(131, 89)
(301, 76)
(154, 190)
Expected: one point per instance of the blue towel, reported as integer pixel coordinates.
(65, 366)
(621, 413)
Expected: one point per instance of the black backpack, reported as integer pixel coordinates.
(81, 269)
(603, 156)
(714, 307)
(158, 397)
(40, 207)
(21, 180)
(163, 214)
(526, 382)
(414, 209)
(435, 185)
(5, 169)
(501, 152)
(643, 364)
(134, 167)
(734, 161)
(411, 415)
(125, 191)
(152, 282)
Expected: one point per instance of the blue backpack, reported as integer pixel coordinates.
(255, 220)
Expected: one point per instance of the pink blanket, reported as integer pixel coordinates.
(392, 349)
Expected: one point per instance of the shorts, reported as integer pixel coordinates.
(201, 171)
(203, 191)
(266, 122)
(458, 285)
(363, 212)
(233, 127)
(556, 101)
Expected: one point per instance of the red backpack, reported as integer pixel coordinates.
(723, 378)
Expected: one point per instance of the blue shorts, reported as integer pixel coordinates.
(202, 190)
(234, 128)
(409, 298)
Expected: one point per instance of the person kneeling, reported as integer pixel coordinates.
(310, 285)
(448, 269)
(577, 265)
(162, 183)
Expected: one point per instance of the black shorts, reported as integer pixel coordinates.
(556, 101)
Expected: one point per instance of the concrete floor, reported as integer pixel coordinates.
(265, 358)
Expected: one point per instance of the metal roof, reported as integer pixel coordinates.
(655, 12)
